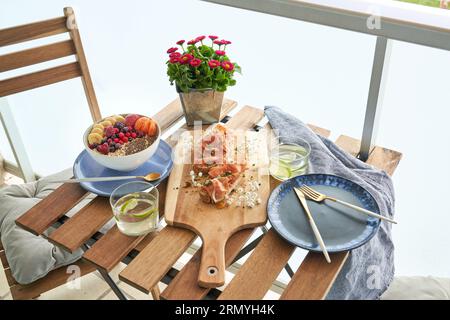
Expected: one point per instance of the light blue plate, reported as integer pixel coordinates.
(85, 167)
(342, 228)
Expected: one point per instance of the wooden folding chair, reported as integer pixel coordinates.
(44, 53)
(16, 84)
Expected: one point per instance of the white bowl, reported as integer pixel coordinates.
(122, 163)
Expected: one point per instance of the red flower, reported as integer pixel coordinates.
(227, 66)
(180, 42)
(213, 64)
(220, 52)
(219, 42)
(174, 60)
(192, 41)
(226, 42)
(174, 55)
(185, 58)
(170, 50)
(200, 38)
(195, 62)
(213, 37)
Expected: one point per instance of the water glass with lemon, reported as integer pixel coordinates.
(135, 208)
(289, 157)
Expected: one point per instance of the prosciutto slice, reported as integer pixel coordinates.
(221, 178)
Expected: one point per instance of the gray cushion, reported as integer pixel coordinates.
(30, 257)
(418, 288)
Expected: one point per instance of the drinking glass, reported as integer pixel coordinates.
(289, 157)
(135, 207)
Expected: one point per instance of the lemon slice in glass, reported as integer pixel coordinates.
(144, 214)
(280, 169)
(128, 205)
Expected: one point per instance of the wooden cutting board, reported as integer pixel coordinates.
(215, 226)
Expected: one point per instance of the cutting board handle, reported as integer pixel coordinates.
(212, 266)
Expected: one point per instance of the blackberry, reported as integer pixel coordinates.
(119, 125)
(125, 129)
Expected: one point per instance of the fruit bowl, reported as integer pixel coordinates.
(118, 149)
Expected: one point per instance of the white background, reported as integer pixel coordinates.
(317, 73)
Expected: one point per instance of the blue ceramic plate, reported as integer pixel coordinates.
(342, 228)
(85, 167)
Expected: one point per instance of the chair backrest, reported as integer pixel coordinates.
(48, 52)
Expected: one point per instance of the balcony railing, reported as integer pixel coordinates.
(386, 19)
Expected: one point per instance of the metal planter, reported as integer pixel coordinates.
(203, 105)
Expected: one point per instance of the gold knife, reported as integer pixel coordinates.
(302, 199)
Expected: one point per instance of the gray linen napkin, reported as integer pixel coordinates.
(370, 268)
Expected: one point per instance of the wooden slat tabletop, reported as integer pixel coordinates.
(159, 251)
(314, 277)
(36, 222)
(72, 234)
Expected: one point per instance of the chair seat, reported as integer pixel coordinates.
(29, 257)
(53, 279)
(418, 288)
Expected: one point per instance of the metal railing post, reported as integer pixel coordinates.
(15, 141)
(375, 97)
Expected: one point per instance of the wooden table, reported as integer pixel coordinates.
(151, 258)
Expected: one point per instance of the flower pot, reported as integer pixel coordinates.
(202, 105)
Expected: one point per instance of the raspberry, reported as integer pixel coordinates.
(103, 148)
(125, 139)
(128, 134)
(133, 135)
(116, 130)
(121, 135)
(116, 140)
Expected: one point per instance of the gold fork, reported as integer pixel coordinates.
(319, 197)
